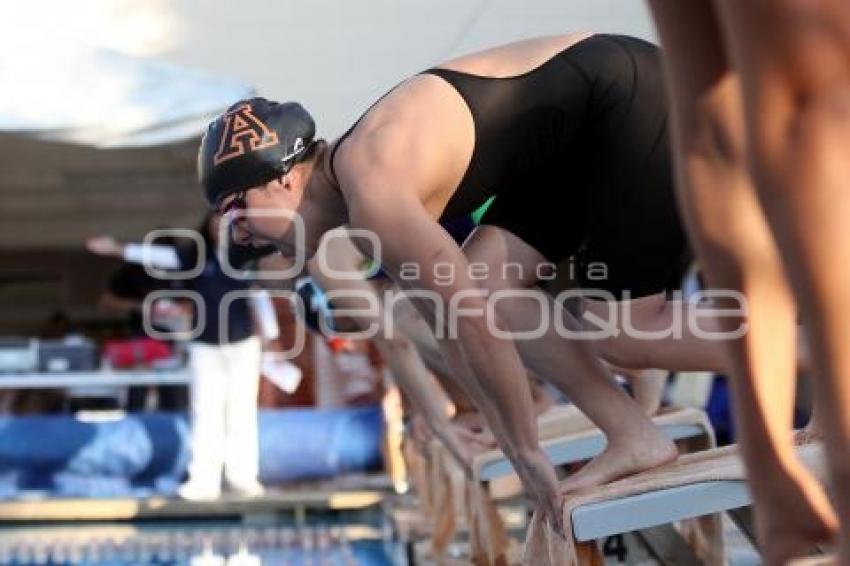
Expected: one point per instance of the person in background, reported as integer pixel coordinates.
(125, 294)
(225, 357)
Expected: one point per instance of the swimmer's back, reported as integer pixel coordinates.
(427, 108)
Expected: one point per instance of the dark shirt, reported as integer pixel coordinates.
(131, 282)
(212, 284)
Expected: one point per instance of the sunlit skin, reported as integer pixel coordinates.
(396, 173)
(321, 205)
(394, 176)
(761, 92)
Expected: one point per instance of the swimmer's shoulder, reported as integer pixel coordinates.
(421, 133)
(403, 105)
(412, 135)
(515, 58)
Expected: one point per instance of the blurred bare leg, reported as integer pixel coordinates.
(738, 252)
(794, 59)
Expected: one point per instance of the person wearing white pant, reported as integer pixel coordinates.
(225, 357)
(224, 418)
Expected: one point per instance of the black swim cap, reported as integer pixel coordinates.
(253, 142)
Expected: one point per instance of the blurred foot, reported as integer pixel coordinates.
(812, 432)
(199, 491)
(623, 458)
(793, 516)
(248, 489)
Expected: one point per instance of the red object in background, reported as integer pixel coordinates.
(133, 352)
(338, 345)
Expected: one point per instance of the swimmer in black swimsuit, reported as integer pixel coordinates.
(570, 133)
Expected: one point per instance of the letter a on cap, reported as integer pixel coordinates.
(243, 132)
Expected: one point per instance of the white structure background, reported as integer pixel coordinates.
(334, 56)
(120, 72)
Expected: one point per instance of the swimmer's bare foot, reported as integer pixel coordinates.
(812, 432)
(623, 457)
(791, 525)
(807, 435)
(477, 441)
(473, 420)
(819, 560)
(464, 444)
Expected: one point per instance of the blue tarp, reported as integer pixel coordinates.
(301, 444)
(144, 453)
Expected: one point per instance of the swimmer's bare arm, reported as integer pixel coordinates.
(381, 198)
(417, 383)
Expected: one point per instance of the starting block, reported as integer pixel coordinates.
(698, 484)
(578, 444)
(567, 437)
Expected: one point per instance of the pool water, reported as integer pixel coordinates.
(187, 544)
